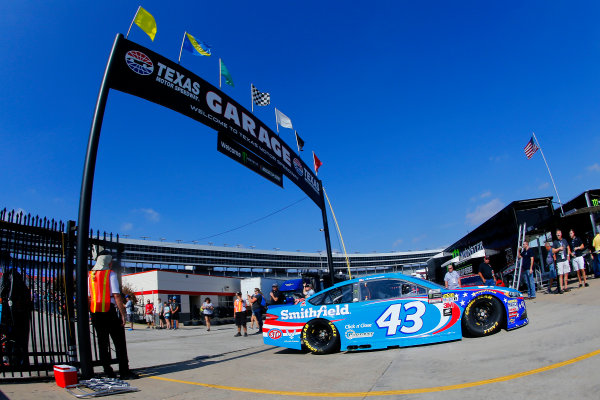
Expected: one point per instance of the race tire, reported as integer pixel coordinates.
(483, 316)
(320, 336)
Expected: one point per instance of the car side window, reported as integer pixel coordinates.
(337, 295)
(389, 289)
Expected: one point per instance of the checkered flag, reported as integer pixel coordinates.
(260, 98)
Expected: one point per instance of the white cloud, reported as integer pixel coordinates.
(484, 211)
(150, 214)
(417, 239)
(127, 226)
(594, 168)
(483, 195)
(397, 243)
(544, 185)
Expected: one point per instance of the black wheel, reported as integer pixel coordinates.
(483, 316)
(320, 336)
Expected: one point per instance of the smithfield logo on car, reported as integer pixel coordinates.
(139, 63)
(299, 167)
(275, 334)
(350, 334)
(312, 313)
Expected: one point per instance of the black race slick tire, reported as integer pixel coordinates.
(320, 336)
(483, 316)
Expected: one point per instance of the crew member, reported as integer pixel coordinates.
(486, 273)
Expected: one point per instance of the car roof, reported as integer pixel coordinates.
(388, 275)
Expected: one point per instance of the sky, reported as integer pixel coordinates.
(419, 112)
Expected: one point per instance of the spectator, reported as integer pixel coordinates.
(239, 310)
(129, 311)
(174, 314)
(104, 299)
(257, 308)
(551, 268)
(308, 290)
(486, 273)
(159, 314)
(561, 250)
(208, 310)
(596, 253)
(149, 311)
(577, 258)
(527, 269)
(452, 279)
(167, 314)
(276, 297)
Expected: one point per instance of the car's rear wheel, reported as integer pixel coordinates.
(320, 336)
(483, 316)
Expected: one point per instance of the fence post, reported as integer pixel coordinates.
(69, 301)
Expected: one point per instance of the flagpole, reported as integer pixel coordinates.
(251, 97)
(130, 25)
(219, 72)
(277, 121)
(181, 49)
(549, 173)
(297, 144)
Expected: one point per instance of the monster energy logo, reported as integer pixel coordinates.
(455, 253)
(595, 202)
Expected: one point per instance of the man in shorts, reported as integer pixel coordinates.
(129, 311)
(159, 314)
(149, 314)
(577, 257)
(561, 250)
(239, 310)
(551, 268)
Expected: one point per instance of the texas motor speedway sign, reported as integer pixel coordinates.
(141, 72)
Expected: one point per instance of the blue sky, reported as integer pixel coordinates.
(418, 110)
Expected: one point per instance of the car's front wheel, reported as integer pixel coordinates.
(483, 316)
(320, 336)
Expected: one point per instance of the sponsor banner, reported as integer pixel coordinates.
(146, 74)
(245, 157)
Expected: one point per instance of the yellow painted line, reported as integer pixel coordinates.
(389, 392)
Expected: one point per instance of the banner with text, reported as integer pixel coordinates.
(141, 72)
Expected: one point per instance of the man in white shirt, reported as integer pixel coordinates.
(452, 279)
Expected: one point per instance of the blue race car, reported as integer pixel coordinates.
(391, 310)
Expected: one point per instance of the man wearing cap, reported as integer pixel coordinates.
(104, 296)
(276, 297)
(452, 279)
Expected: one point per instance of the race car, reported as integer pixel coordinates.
(391, 310)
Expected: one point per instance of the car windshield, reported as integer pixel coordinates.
(337, 295)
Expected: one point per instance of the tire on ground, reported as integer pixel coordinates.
(320, 336)
(483, 316)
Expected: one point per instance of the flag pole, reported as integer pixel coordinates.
(251, 97)
(297, 144)
(549, 173)
(219, 72)
(277, 121)
(130, 25)
(181, 49)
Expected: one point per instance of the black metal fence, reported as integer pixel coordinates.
(37, 296)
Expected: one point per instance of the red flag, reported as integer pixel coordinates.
(317, 163)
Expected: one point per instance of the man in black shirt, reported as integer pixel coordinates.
(577, 257)
(486, 273)
(276, 297)
(527, 269)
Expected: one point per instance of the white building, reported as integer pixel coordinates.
(192, 289)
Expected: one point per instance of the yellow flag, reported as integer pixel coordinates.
(146, 22)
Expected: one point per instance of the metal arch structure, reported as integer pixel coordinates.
(136, 70)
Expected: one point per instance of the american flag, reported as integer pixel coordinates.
(531, 148)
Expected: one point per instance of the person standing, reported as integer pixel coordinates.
(551, 268)
(129, 311)
(276, 297)
(159, 312)
(149, 312)
(577, 258)
(174, 314)
(561, 250)
(207, 309)
(257, 302)
(452, 279)
(486, 273)
(167, 314)
(239, 312)
(596, 253)
(308, 290)
(527, 269)
(104, 297)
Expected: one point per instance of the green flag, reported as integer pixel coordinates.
(225, 73)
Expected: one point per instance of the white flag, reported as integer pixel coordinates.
(283, 120)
